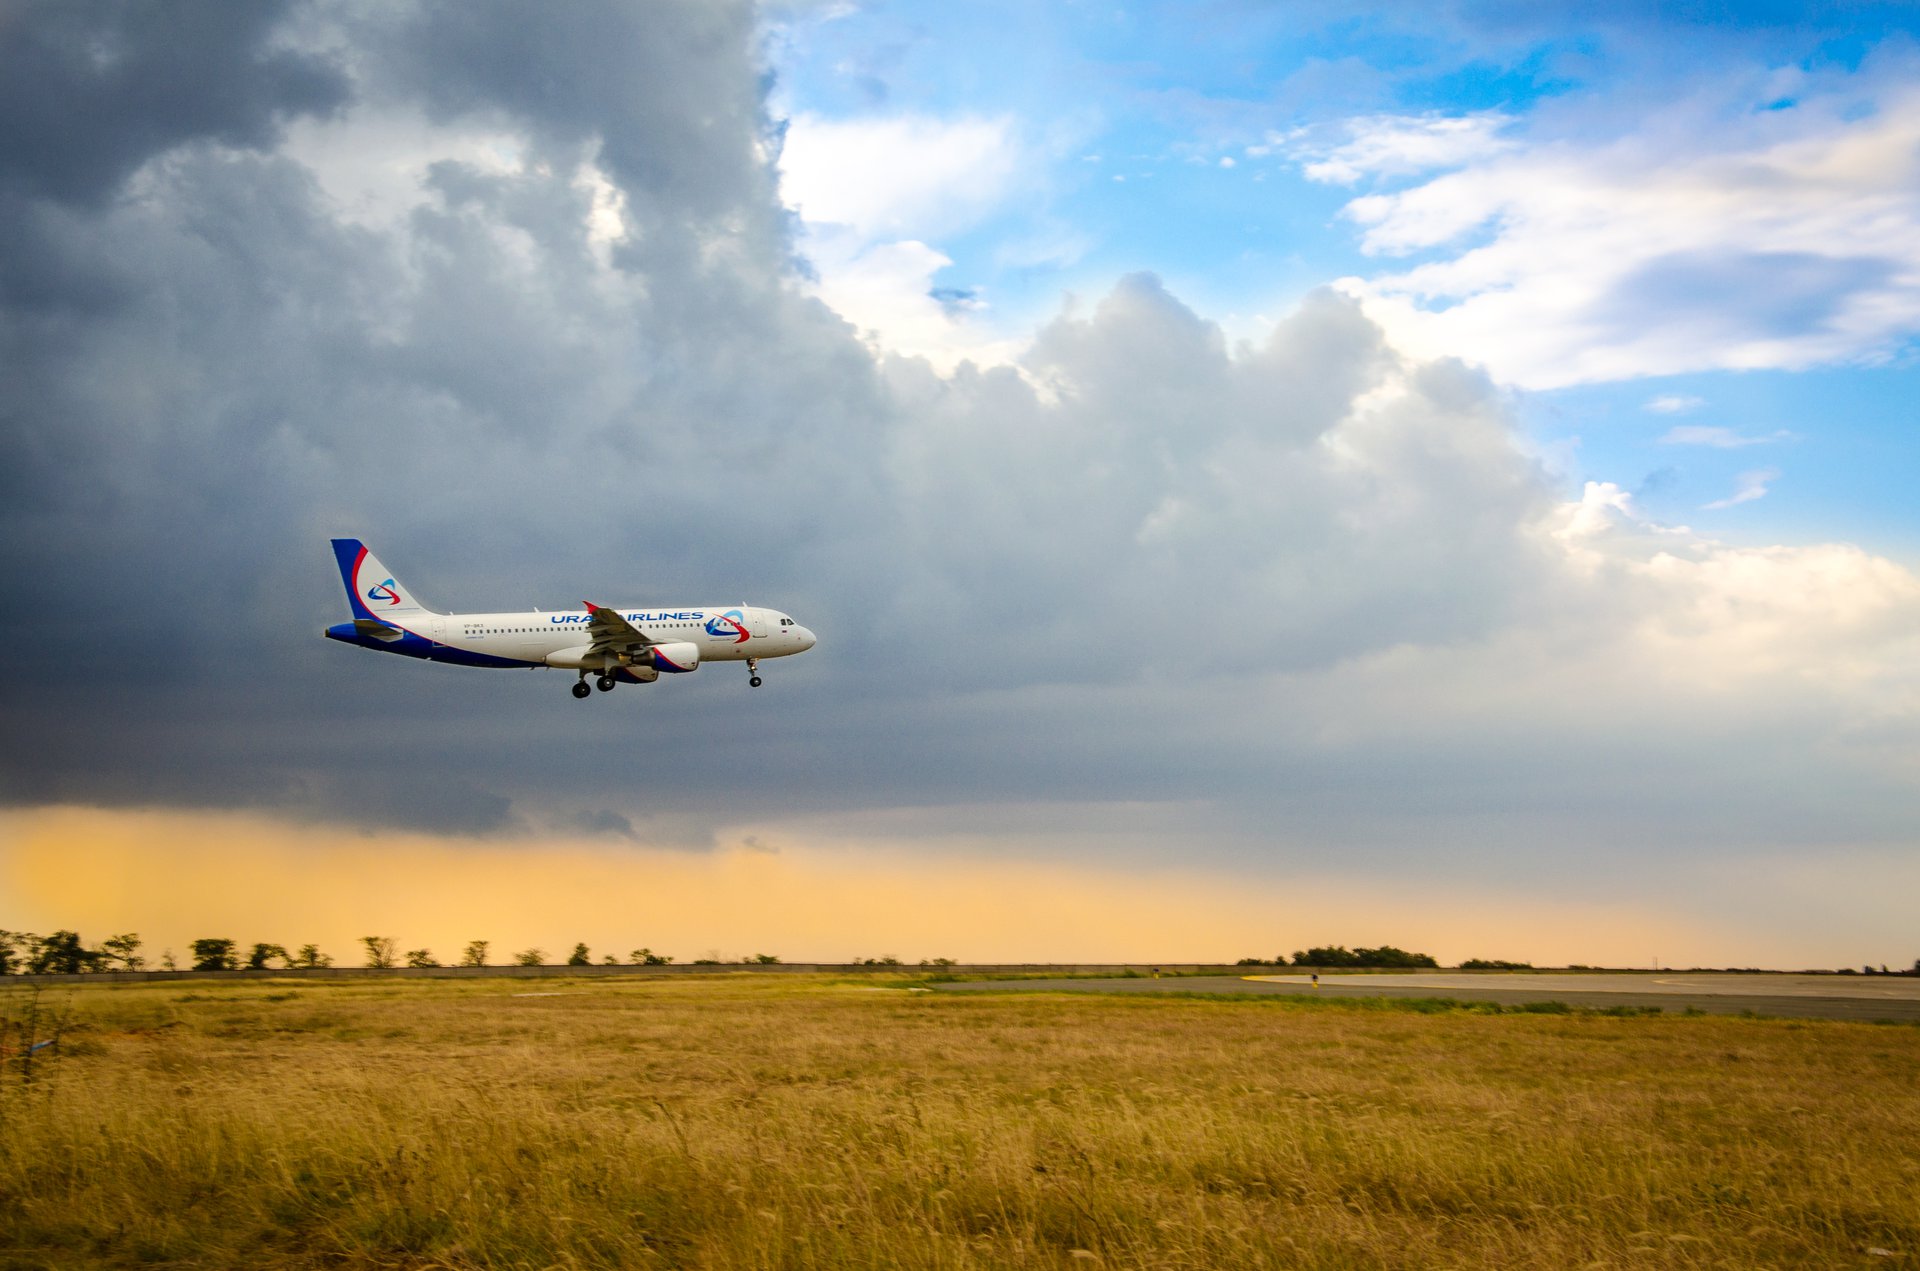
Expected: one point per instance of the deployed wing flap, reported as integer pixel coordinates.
(613, 634)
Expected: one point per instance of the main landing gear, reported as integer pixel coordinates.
(605, 684)
(753, 672)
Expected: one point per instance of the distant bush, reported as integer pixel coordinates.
(1494, 964)
(126, 948)
(420, 958)
(530, 957)
(311, 957)
(380, 951)
(938, 962)
(1341, 956)
(475, 954)
(647, 957)
(257, 960)
(764, 959)
(214, 955)
(579, 956)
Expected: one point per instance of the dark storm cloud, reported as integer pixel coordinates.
(90, 90)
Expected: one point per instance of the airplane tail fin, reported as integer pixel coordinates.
(372, 589)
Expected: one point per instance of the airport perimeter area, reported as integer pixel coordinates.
(1890, 998)
(1893, 998)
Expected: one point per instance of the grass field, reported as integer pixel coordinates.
(738, 1121)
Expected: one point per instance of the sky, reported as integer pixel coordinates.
(1261, 475)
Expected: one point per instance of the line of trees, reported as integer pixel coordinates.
(64, 953)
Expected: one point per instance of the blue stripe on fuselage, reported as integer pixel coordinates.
(465, 657)
(410, 645)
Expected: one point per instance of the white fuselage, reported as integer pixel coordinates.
(540, 638)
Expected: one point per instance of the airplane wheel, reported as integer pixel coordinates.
(580, 689)
(605, 683)
(754, 682)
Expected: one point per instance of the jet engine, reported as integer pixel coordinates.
(677, 655)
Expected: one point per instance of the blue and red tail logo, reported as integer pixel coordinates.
(384, 591)
(731, 624)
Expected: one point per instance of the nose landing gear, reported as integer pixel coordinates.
(753, 672)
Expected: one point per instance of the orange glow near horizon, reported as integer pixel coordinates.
(176, 876)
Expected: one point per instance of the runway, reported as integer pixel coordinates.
(1872, 998)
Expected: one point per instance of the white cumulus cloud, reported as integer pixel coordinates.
(1708, 235)
(910, 175)
(874, 196)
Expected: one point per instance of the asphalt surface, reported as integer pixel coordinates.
(1872, 998)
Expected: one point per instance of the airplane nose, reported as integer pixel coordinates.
(805, 636)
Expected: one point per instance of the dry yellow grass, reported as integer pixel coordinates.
(751, 1122)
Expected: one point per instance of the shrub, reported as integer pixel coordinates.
(126, 948)
(214, 955)
(257, 959)
(1341, 956)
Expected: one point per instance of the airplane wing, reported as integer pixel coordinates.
(613, 634)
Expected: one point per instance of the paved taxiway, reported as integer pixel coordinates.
(1807, 996)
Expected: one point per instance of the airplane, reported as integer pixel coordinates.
(624, 645)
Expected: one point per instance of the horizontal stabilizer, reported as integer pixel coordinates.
(378, 630)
